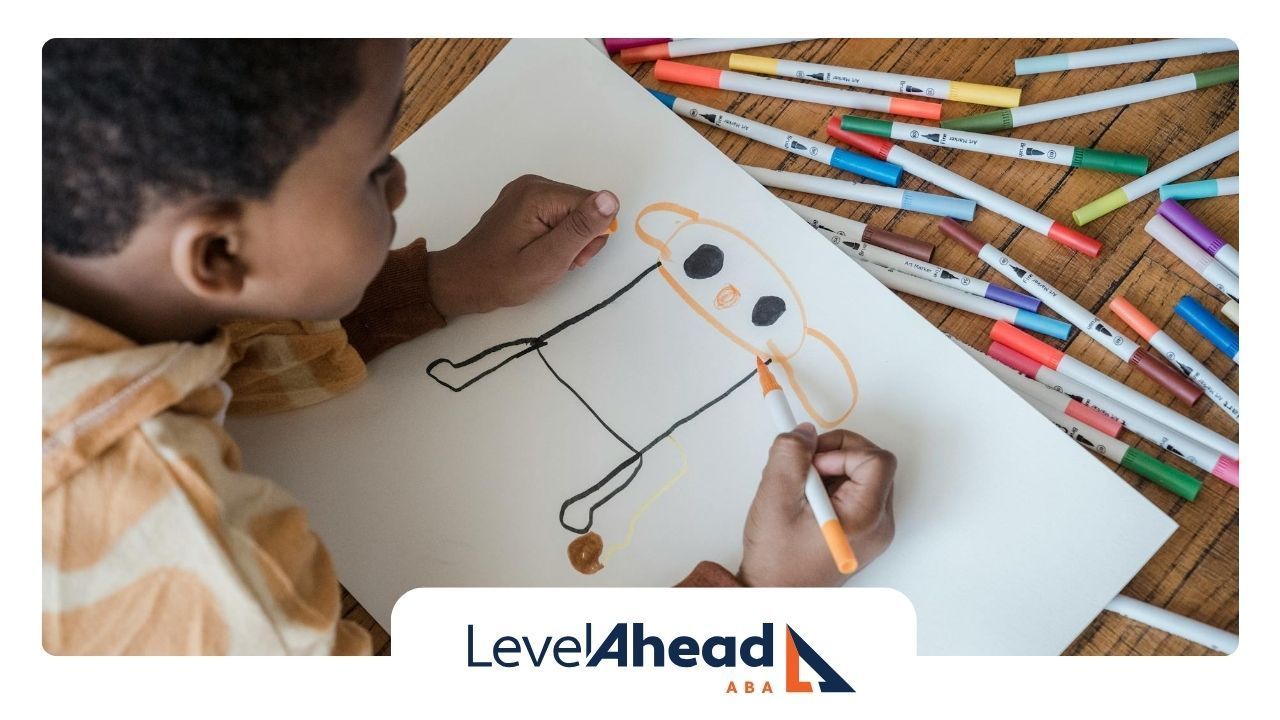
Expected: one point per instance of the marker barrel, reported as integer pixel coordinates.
(1121, 54)
(1081, 104)
(1184, 627)
(1007, 334)
(1200, 234)
(867, 167)
(966, 188)
(991, 95)
(1051, 153)
(1183, 166)
(959, 300)
(668, 71)
(1196, 453)
(861, 192)
(1194, 256)
(1216, 187)
(696, 46)
(1198, 317)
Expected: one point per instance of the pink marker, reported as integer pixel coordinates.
(617, 45)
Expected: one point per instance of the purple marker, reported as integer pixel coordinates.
(1199, 233)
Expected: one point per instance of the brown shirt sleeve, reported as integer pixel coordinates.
(709, 574)
(396, 307)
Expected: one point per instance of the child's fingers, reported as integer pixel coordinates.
(869, 486)
(843, 440)
(782, 483)
(588, 220)
(590, 251)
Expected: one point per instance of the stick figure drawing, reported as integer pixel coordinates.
(722, 276)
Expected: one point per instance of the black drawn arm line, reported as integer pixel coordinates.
(600, 305)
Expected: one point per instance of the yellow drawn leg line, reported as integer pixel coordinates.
(644, 507)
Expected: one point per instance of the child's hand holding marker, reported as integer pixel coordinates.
(535, 232)
(780, 544)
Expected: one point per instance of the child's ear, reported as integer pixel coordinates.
(207, 252)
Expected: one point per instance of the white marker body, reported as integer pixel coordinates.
(767, 134)
(966, 188)
(1175, 624)
(1194, 256)
(1142, 52)
(1081, 104)
(870, 79)
(1215, 388)
(1051, 153)
(815, 491)
(706, 46)
(787, 89)
(1230, 259)
(922, 288)
(831, 187)
(1073, 368)
(1117, 342)
(1183, 166)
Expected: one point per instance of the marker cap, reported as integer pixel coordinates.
(1134, 318)
(915, 108)
(1228, 470)
(1113, 200)
(1206, 324)
(1093, 418)
(873, 146)
(1041, 324)
(1191, 226)
(909, 246)
(961, 234)
(684, 73)
(869, 126)
(989, 95)
(1006, 334)
(1014, 359)
(616, 45)
(870, 168)
(1074, 239)
(1091, 159)
(986, 122)
(753, 64)
(1169, 378)
(1217, 76)
(1169, 478)
(644, 53)
(668, 100)
(1041, 64)
(945, 205)
(838, 545)
(1012, 298)
(1189, 190)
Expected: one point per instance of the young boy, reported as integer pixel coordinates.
(196, 193)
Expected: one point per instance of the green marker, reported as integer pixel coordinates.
(1052, 153)
(1081, 104)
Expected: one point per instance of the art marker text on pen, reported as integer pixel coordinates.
(1214, 272)
(839, 158)
(1232, 310)
(1006, 334)
(1120, 54)
(1081, 104)
(929, 290)
(1213, 187)
(928, 203)
(992, 95)
(685, 47)
(841, 230)
(1052, 153)
(1211, 461)
(964, 187)
(1217, 390)
(815, 491)
(1113, 340)
(675, 72)
(1183, 166)
(834, 226)
(1200, 234)
(1198, 317)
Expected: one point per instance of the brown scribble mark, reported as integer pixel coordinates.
(584, 553)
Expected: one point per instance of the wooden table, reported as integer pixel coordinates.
(1196, 573)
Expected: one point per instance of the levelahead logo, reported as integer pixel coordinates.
(635, 651)
(628, 645)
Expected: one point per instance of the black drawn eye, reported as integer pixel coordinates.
(704, 262)
(767, 310)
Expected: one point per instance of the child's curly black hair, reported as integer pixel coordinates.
(130, 125)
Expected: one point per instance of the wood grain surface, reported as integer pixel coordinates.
(1196, 573)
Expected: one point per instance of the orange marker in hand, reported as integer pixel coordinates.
(814, 489)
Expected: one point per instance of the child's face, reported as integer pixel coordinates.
(313, 247)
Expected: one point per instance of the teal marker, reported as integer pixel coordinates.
(1081, 104)
(1213, 187)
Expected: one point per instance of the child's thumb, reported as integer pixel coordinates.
(590, 219)
(790, 457)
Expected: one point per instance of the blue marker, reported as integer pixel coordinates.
(856, 163)
(1209, 326)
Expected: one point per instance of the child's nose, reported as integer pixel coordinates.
(396, 188)
(727, 297)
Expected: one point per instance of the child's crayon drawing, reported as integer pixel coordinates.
(706, 264)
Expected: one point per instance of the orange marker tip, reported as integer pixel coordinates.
(613, 226)
(768, 383)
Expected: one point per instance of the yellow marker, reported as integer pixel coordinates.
(814, 489)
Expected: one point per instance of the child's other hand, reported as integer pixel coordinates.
(782, 545)
(535, 232)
